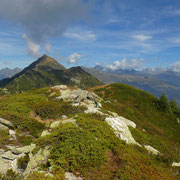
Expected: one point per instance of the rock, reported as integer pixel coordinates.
(175, 164)
(46, 174)
(121, 129)
(39, 158)
(9, 161)
(55, 124)
(20, 150)
(4, 165)
(1, 151)
(71, 120)
(45, 133)
(152, 150)
(9, 155)
(71, 176)
(11, 132)
(3, 127)
(64, 117)
(6, 123)
(78, 96)
(60, 87)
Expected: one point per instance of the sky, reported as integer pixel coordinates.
(123, 34)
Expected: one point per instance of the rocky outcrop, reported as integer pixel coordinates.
(41, 157)
(9, 159)
(151, 150)
(120, 126)
(77, 96)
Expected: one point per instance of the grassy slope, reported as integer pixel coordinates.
(158, 129)
(93, 149)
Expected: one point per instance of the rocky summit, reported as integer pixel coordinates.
(63, 132)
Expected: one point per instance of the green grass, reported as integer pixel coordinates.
(154, 127)
(93, 150)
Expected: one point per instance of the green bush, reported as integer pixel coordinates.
(164, 103)
(23, 162)
(55, 109)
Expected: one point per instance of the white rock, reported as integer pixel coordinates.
(3, 127)
(152, 150)
(70, 176)
(175, 164)
(120, 126)
(60, 87)
(55, 124)
(45, 133)
(6, 122)
(64, 117)
(11, 132)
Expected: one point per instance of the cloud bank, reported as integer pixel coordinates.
(127, 65)
(43, 19)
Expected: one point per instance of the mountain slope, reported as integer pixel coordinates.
(46, 71)
(151, 84)
(8, 73)
(66, 132)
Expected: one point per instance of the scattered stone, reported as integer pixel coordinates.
(152, 150)
(11, 132)
(55, 124)
(6, 123)
(3, 127)
(175, 164)
(45, 133)
(71, 176)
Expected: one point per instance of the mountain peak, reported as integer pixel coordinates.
(45, 61)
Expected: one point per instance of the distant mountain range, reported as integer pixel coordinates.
(46, 71)
(155, 82)
(8, 73)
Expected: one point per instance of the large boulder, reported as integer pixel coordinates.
(120, 126)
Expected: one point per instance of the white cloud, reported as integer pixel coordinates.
(142, 37)
(82, 35)
(127, 65)
(73, 58)
(48, 48)
(32, 47)
(175, 67)
(44, 19)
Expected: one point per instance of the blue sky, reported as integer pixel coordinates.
(113, 33)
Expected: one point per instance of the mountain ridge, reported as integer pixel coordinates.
(46, 71)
